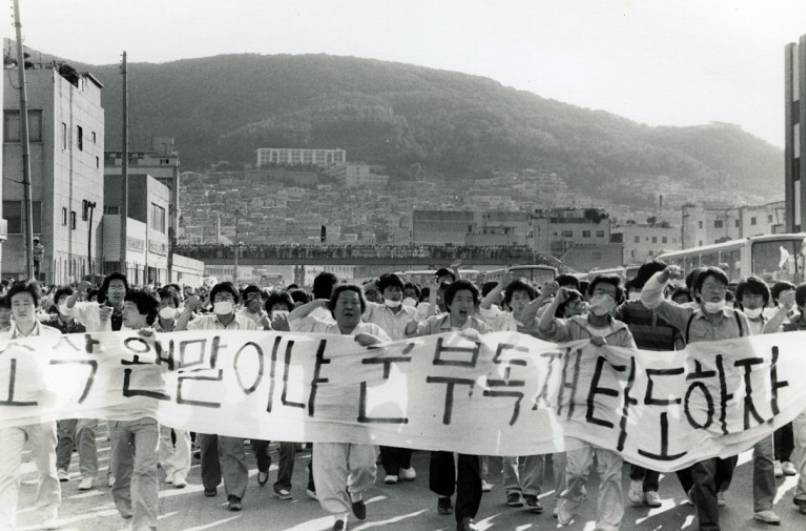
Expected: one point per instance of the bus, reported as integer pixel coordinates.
(625, 273)
(773, 257)
(537, 275)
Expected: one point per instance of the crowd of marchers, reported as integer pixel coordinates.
(658, 310)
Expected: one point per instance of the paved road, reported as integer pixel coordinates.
(406, 506)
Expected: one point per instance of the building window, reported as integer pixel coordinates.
(80, 137)
(664, 239)
(64, 216)
(632, 253)
(157, 218)
(769, 218)
(637, 239)
(12, 212)
(654, 239)
(753, 220)
(112, 210)
(64, 136)
(72, 220)
(600, 234)
(97, 162)
(699, 223)
(718, 224)
(11, 126)
(586, 234)
(94, 138)
(568, 234)
(736, 224)
(700, 244)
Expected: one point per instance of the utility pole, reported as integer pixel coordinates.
(124, 176)
(26, 160)
(90, 206)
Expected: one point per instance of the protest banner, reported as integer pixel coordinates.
(498, 394)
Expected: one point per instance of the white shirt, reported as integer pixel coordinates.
(393, 323)
(39, 329)
(87, 313)
(324, 327)
(210, 321)
(307, 323)
(497, 319)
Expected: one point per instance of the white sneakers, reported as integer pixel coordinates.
(390, 479)
(652, 499)
(408, 474)
(789, 469)
(778, 469)
(636, 492)
(767, 517)
(86, 484)
(63, 475)
(486, 486)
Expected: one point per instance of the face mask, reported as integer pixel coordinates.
(63, 310)
(601, 305)
(222, 307)
(755, 313)
(392, 304)
(408, 301)
(714, 307)
(634, 296)
(168, 313)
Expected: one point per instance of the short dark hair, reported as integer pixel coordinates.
(412, 285)
(62, 292)
(487, 287)
(568, 281)
(278, 297)
(755, 286)
(251, 288)
(323, 285)
(146, 304)
(167, 293)
(800, 295)
(573, 296)
(31, 287)
(223, 287)
(108, 280)
(607, 279)
(390, 280)
(442, 271)
(779, 287)
(518, 285)
(710, 271)
(645, 272)
(682, 290)
(299, 295)
(334, 298)
(457, 286)
(691, 278)
(92, 292)
(5, 302)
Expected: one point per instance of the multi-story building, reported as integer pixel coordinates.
(300, 156)
(146, 228)
(707, 223)
(66, 136)
(795, 138)
(162, 163)
(442, 226)
(558, 230)
(644, 241)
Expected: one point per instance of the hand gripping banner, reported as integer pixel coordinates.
(497, 394)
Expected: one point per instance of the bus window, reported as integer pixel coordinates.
(732, 263)
(778, 260)
(709, 259)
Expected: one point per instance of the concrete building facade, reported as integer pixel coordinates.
(146, 227)
(66, 132)
(707, 223)
(794, 134)
(643, 242)
(300, 156)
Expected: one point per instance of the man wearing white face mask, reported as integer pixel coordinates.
(711, 320)
(392, 317)
(600, 328)
(224, 297)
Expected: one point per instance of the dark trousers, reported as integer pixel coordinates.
(210, 465)
(650, 478)
(784, 442)
(704, 479)
(285, 468)
(444, 479)
(393, 459)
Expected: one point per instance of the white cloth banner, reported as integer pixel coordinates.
(507, 394)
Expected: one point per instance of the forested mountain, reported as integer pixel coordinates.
(414, 119)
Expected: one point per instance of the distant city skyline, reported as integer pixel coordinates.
(663, 62)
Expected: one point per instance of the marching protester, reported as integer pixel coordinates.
(711, 320)
(601, 329)
(230, 450)
(136, 488)
(41, 437)
(463, 476)
(344, 471)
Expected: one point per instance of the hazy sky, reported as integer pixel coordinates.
(674, 62)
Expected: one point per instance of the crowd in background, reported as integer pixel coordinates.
(658, 310)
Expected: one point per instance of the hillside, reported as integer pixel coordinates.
(406, 117)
